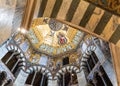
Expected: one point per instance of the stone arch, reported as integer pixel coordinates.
(41, 69)
(86, 55)
(68, 68)
(20, 56)
(38, 75)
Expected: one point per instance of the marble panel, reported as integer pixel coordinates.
(11, 12)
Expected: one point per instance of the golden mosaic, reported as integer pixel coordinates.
(52, 37)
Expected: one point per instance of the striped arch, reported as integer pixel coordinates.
(22, 64)
(71, 12)
(41, 69)
(65, 69)
(20, 56)
(86, 56)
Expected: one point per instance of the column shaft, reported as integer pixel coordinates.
(33, 78)
(63, 79)
(15, 65)
(42, 81)
(88, 66)
(93, 59)
(101, 75)
(9, 58)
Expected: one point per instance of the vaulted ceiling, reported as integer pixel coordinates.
(53, 38)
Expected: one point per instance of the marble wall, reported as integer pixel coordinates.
(11, 12)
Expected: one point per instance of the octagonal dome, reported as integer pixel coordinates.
(52, 37)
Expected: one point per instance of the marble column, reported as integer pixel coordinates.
(88, 66)
(101, 75)
(21, 78)
(42, 81)
(33, 78)
(15, 65)
(93, 59)
(63, 79)
(71, 78)
(10, 57)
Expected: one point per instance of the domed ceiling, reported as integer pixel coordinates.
(52, 37)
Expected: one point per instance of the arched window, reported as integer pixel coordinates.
(37, 79)
(11, 61)
(67, 76)
(68, 79)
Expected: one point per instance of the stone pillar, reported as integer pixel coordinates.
(10, 58)
(63, 79)
(93, 59)
(41, 83)
(33, 78)
(81, 79)
(88, 66)
(52, 82)
(101, 75)
(71, 78)
(15, 65)
(21, 78)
